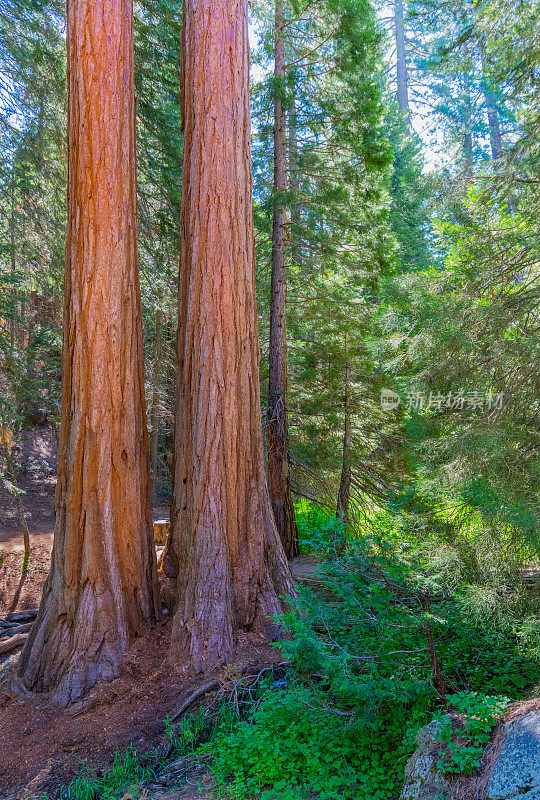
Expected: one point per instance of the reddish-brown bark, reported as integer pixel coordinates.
(102, 588)
(224, 548)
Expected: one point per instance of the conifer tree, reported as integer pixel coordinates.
(102, 590)
(338, 159)
(224, 549)
(279, 477)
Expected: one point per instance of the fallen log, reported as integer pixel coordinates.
(22, 616)
(11, 631)
(13, 643)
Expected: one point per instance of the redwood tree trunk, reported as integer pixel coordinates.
(224, 547)
(102, 588)
(401, 63)
(278, 425)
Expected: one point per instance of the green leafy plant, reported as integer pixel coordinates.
(476, 716)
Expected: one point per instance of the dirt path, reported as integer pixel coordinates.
(11, 562)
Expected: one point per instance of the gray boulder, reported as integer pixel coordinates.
(422, 779)
(516, 774)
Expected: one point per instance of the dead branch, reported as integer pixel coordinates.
(13, 643)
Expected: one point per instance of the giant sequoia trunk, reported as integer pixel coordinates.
(102, 589)
(224, 547)
(278, 425)
(154, 408)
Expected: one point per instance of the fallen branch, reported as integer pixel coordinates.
(13, 629)
(5, 625)
(195, 696)
(21, 616)
(13, 643)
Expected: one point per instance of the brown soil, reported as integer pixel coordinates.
(42, 748)
(13, 595)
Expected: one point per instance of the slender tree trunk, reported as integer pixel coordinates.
(495, 137)
(13, 255)
(295, 234)
(154, 413)
(22, 519)
(401, 64)
(18, 502)
(101, 591)
(344, 494)
(277, 420)
(224, 547)
(468, 141)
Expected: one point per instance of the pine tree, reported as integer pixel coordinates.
(279, 468)
(336, 220)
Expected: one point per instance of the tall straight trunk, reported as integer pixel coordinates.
(344, 494)
(277, 421)
(224, 548)
(102, 590)
(154, 412)
(13, 257)
(294, 182)
(468, 141)
(18, 502)
(20, 512)
(495, 137)
(401, 63)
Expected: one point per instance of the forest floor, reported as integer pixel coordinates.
(42, 748)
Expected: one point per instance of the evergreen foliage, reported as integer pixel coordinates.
(413, 260)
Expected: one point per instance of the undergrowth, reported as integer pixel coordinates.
(361, 677)
(392, 642)
(128, 770)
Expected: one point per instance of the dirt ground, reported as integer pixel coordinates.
(42, 748)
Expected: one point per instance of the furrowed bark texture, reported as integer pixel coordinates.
(279, 479)
(224, 547)
(102, 588)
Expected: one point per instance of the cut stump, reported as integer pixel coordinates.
(161, 531)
